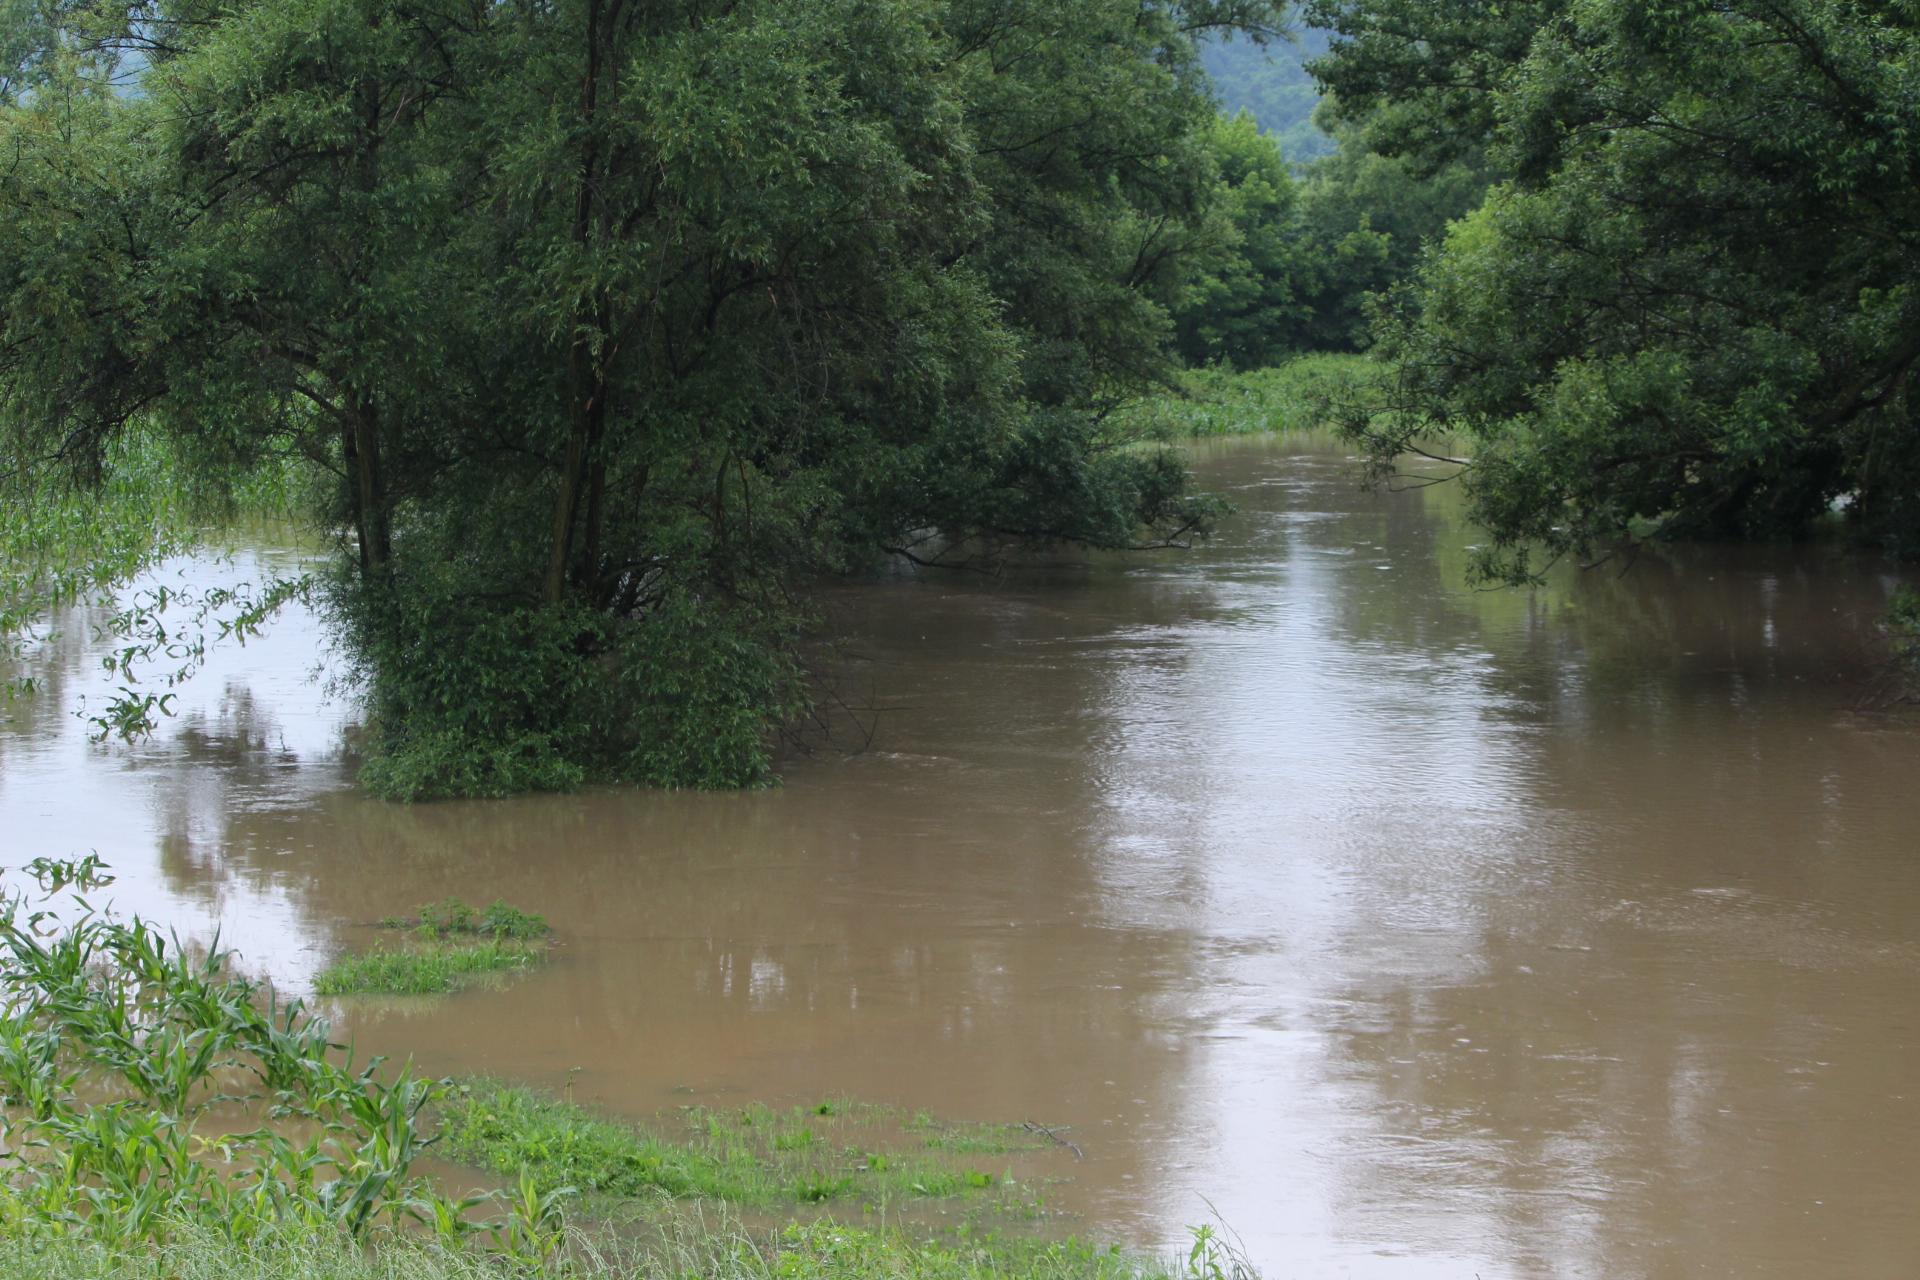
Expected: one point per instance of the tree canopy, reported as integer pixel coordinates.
(613, 323)
(1694, 307)
(1422, 79)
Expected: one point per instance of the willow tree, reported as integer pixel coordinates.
(1695, 308)
(615, 322)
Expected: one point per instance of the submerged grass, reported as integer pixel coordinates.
(1225, 402)
(448, 945)
(424, 970)
(450, 916)
(125, 1060)
(753, 1157)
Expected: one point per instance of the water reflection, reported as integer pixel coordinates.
(1419, 930)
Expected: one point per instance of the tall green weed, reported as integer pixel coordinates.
(145, 1087)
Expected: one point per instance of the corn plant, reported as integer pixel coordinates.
(146, 1087)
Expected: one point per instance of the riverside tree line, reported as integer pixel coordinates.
(599, 329)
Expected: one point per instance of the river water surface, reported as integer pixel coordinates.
(1416, 930)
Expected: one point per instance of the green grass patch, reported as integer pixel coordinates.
(1225, 402)
(123, 1060)
(753, 1157)
(446, 946)
(423, 970)
(937, 1134)
(452, 917)
(726, 1251)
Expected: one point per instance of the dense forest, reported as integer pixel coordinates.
(595, 331)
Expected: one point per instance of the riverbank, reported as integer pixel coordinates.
(168, 1116)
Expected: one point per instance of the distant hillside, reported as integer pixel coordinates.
(1272, 84)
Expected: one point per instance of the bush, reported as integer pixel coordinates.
(472, 699)
(699, 693)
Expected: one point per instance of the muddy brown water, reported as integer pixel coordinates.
(1418, 931)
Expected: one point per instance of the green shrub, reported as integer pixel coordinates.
(699, 693)
(469, 699)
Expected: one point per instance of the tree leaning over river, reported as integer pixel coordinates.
(1693, 308)
(610, 323)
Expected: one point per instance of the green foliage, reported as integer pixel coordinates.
(125, 1060)
(816, 1251)
(65, 543)
(1092, 123)
(754, 1157)
(612, 326)
(1902, 626)
(434, 968)
(1240, 307)
(193, 1251)
(703, 722)
(500, 921)
(61, 544)
(1695, 310)
(451, 946)
(476, 698)
(1218, 401)
(472, 699)
(148, 626)
(1422, 79)
(1301, 258)
(24, 36)
(830, 1251)
(1363, 222)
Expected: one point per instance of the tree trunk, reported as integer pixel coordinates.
(587, 406)
(370, 496)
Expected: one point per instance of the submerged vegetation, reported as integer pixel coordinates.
(754, 1157)
(610, 328)
(451, 917)
(156, 1110)
(422, 969)
(448, 945)
(145, 1089)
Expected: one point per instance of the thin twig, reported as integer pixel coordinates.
(1054, 1134)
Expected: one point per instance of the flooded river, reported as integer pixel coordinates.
(1416, 930)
